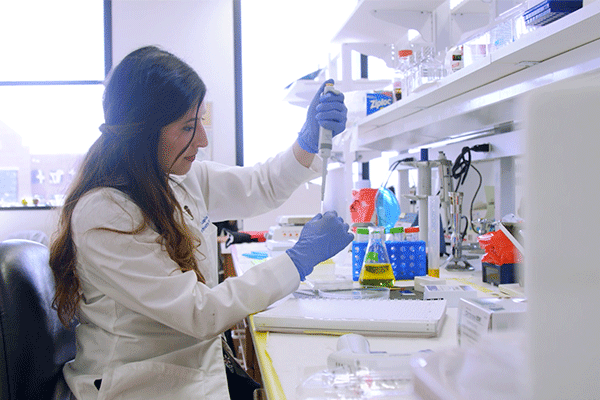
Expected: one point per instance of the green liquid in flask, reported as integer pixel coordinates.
(376, 274)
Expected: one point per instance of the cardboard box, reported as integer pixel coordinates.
(451, 293)
(477, 317)
(378, 100)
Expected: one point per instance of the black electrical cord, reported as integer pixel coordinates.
(461, 166)
(395, 165)
(473, 200)
(460, 170)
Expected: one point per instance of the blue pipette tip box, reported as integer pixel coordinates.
(408, 259)
(549, 11)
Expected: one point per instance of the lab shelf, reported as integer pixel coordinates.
(366, 23)
(482, 101)
(486, 94)
(471, 7)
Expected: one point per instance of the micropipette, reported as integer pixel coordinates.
(325, 146)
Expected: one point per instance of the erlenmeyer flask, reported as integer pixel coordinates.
(376, 269)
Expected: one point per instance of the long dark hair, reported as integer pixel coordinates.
(149, 89)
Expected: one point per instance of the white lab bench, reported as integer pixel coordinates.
(286, 360)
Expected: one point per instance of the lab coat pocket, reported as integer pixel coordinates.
(152, 380)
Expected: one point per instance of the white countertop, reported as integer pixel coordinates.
(287, 360)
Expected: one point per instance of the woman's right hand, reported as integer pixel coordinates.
(321, 238)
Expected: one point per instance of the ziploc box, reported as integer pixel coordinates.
(478, 316)
(378, 100)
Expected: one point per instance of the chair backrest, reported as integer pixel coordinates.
(34, 345)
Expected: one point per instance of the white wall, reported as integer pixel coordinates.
(201, 33)
(12, 221)
(306, 200)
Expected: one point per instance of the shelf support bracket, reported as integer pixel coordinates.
(421, 21)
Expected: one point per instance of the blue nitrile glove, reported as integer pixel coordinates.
(321, 238)
(327, 111)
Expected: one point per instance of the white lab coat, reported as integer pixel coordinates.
(148, 330)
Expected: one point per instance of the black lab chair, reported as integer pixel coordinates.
(34, 345)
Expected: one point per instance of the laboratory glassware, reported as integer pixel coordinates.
(429, 69)
(401, 68)
(376, 269)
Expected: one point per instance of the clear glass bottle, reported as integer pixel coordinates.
(454, 60)
(429, 69)
(412, 233)
(397, 234)
(403, 63)
(376, 269)
(362, 235)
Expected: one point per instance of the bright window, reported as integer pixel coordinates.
(281, 42)
(51, 88)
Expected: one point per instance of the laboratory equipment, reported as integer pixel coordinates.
(396, 234)
(354, 293)
(423, 190)
(435, 236)
(386, 206)
(408, 259)
(549, 11)
(451, 293)
(362, 235)
(284, 235)
(294, 219)
(381, 317)
(422, 281)
(423, 198)
(457, 261)
(353, 353)
(360, 385)
(362, 209)
(355, 372)
(400, 73)
(376, 268)
(445, 177)
(428, 69)
(325, 146)
(412, 233)
(454, 59)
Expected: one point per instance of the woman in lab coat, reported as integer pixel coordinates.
(135, 257)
